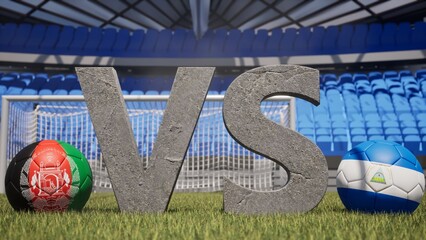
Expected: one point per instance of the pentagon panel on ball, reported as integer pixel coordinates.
(48, 176)
(380, 176)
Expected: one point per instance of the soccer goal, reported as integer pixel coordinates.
(212, 153)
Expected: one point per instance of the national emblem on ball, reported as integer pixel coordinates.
(380, 176)
(48, 176)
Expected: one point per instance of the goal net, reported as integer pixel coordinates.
(212, 154)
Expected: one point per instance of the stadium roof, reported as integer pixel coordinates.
(241, 14)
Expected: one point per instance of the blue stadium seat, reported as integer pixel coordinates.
(403, 36)
(358, 39)
(388, 38)
(376, 137)
(420, 116)
(189, 45)
(345, 78)
(65, 85)
(136, 92)
(162, 46)
(7, 80)
(36, 37)
(368, 103)
(27, 77)
(373, 124)
(21, 37)
(246, 42)
(29, 91)
(392, 131)
(15, 88)
(203, 44)
(329, 77)
(79, 40)
(372, 131)
(412, 90)
(107, 41)
(287, 41)
(259, 43)
(379, 86)
(93, 40)
(372, 116)
(335, 103)
(423, 133)
(273, 42)
(384, 103)
(340, 132)
(418, 104)
(421, 73)
(390, 74)
(218, 41)
(423, 86)
(176, 43)
(395, 86)
(390, 124)
(375, 75)
(50, 38)
(329, 42)
(62, 88)
(400, 103)
(406, 78)
(65, 38)
(35, 85)
(405, 73)
(373, 40)
(344, 38)
(301, 41)
(358, 131)
(395, 138)
(51, 85)
(127, 85)
(7, 34)
(418, 37)
(360, 77)
(410, 131)
(316, 40)
(362, 87)
(135, 43)
(121, 42)
(75, 92)
(307, 131)
(231, 43)
(355, 118)
(348, 88)
(407, 123)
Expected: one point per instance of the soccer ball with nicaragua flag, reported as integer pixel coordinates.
(48, 175)
(380, 176)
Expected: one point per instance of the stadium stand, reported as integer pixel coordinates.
(67, 40)
(354, 106)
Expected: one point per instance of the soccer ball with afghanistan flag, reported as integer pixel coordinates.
(48, 175)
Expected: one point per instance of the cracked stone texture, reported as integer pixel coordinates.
(136, 189)
(303, 160)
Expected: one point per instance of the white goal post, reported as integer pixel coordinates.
(212, 153)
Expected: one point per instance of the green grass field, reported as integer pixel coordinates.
(200, 216)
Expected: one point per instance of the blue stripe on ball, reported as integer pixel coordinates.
(366, 201)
